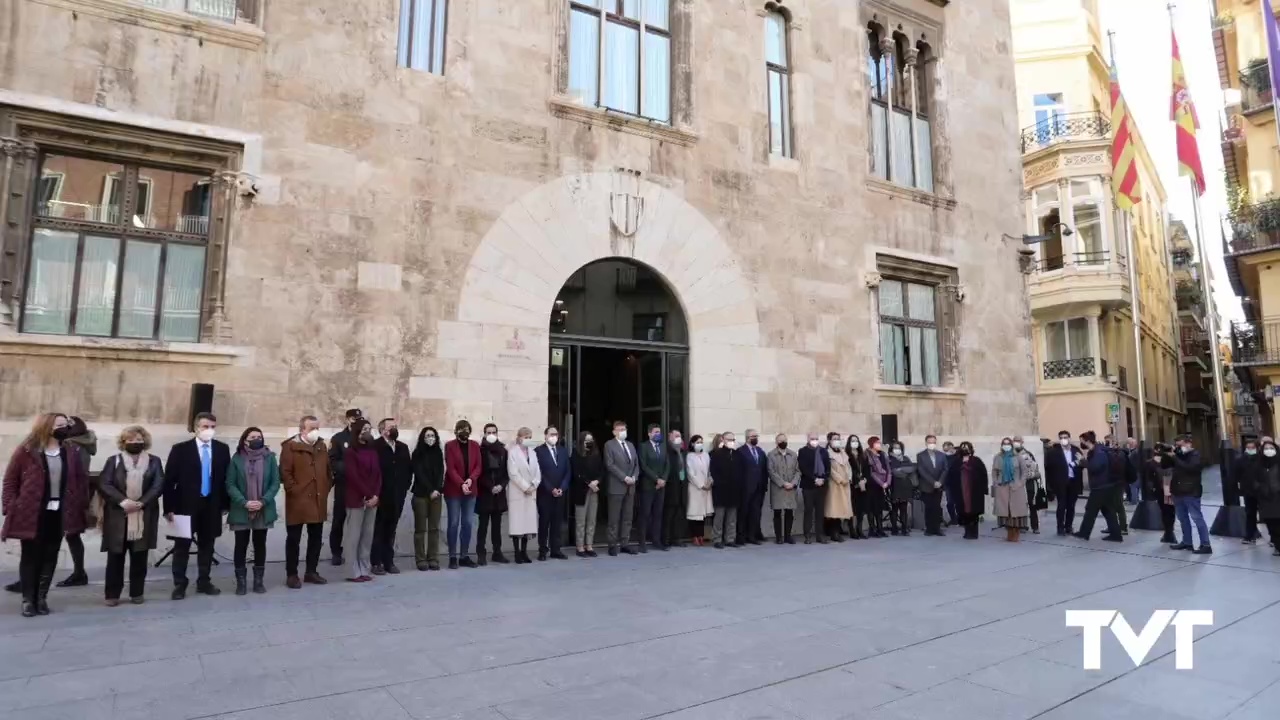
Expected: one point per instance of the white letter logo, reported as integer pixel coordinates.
(1138, 645)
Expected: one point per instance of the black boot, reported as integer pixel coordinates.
(28, 600)
(499, 558)
(77, 578)
(241, 577)
(482, 558)
(258, 586)
(204, 585)
(42, 591)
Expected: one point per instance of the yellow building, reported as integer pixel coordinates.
(1079, 284)
(1252, 162)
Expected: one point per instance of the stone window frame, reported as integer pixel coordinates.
(948, 295)
(786, 71)
(25, 133)
(247, 35)
(679, 130)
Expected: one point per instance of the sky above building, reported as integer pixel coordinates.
(1143, 56)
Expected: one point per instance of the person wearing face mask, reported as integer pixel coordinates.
(839, 505)
(363, 487)
(1010, 472)
(524, 476)
(462, 471)
(253, 479)
(130, 484)
(726, 490)
(428, 500)
(1035, 492)
(674, 528)
(1267, 487)
(1102, 487)
(700, 506)
(1187, 490)
(784, 478)
(396, 465)
(1160, 486)
(1248, 466)
(491, 498)
(556, 473)
(903, 488)
(858, 486)
(305, 475)
(953, 516)
(814, 469)
(878, 489)
(338, 445)
(588, 477)
(755, 480)
(968, 480)
(651, 491)
(196, 486)
(45, 497)
(931, 471)
(1063, 472)
(85, 443)
(622, 465)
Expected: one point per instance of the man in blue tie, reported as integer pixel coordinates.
(755, 474)
(195, 485)
(553, 463)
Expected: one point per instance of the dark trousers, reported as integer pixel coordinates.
(1031, 506)
(40, 556)
(550, 522)
(1250, 518)
(1273, 529)
(815, 500)
(782, 522)
(390, 507)
(674, 523)
(75, 546)
(757, 512)
(898, 517)
(259, 547)
(1067, 511)
(1168, 513)
(1118, 507)
(206, 524)
(1101, 500)
(749, 513)
(649, 520)
(932, 512)
(339, 518)
(293, 544)
(137, 573)
(491, 522)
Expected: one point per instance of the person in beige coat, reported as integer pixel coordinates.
(697, 465)
(1010, 473)
(840, 479)
(522, 500)
(784, 481)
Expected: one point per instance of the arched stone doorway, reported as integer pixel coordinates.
(619, 345)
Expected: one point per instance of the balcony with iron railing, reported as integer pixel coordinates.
(1255, 226)
(1067, 127)
(1073, 368)
(1255, 343)
(1097, 277)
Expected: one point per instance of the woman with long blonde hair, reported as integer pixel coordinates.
(45, 496)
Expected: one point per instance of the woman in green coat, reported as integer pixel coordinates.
(252, 483)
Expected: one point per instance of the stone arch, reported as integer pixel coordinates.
(545, 236)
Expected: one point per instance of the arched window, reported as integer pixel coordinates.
(778, 69)
(901, 137)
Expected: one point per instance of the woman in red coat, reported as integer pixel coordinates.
(45, 496)
(461, 483)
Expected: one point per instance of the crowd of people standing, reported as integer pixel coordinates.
(667, 488)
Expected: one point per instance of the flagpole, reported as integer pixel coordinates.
(1126, 226)
(1211, 316)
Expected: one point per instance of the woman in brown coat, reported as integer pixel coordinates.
(45, 496)
(305, 475)
(130, 484)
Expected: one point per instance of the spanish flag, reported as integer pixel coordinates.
(1124, 152)
(1183, 112)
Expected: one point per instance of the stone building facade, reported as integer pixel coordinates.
(385, 227)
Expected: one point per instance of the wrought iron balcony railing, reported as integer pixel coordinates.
(1255, 343)
(1255, 227)
(1093, 260)
(1076, 367)
(1069, 126)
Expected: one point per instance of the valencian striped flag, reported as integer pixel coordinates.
(1183, 112)
(1124, 150)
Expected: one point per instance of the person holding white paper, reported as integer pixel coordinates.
(196, 486)
(130, 484)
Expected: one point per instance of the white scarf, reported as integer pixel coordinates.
(135, 473)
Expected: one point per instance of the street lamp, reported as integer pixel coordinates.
(1037, 239)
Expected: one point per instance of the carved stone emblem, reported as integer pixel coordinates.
(626, 206)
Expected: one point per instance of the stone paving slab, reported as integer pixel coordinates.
(886, 630)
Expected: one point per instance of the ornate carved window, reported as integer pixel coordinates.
(899, 94)
(112, 231)
(916, 306)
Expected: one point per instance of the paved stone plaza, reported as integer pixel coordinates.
(890, 629)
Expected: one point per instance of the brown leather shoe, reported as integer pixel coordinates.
(293, 583)
(314, 579)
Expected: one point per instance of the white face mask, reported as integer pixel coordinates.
(854, 444)
(1269, 452)
(620, 434)
(1064, 442)
(431, 440)
(491, 437)
(552, 440)
(697, 447)
(813, 443)
(932, 446)
(897, 452)
(836, 444)
(312, 436)
(206, 435)
(529, 442)
(731, 444)
(676, 442)
(1006, 448)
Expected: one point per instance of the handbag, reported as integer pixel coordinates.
(1041, 499)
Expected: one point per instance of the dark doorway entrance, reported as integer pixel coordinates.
(619, 351)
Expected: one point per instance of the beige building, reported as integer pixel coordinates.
(1079, 288)
(781, 215)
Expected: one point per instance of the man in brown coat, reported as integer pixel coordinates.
(304, 472)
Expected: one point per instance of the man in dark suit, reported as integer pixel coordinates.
(1063, 473)
(1102, 489)
(553, 462)
(397, 475)
(622, 468)
(674, 522)
(814, 465)
(654, 463)
(338, 445)
(931, 470)
(755, 474)
(195, 485)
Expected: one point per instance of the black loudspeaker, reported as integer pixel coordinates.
(888, 428)
(201, 401)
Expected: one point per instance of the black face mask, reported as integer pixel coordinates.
(589, 444)
(256, 444)
(134, 448)
(61, 433)
(964, 452)
(463, 435)
(753, 442)
(393, 435)
(781, 446)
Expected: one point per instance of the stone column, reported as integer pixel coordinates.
(887, 49)
(912, 56)
(16, 152)
(1095, 339)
